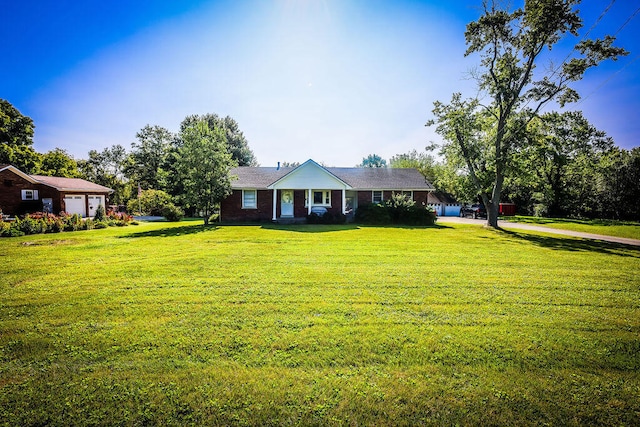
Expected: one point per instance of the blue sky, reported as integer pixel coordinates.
(332, 80)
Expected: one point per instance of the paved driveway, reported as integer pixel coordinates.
(520, 226)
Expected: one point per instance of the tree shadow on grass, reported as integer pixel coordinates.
(310, 228)
(326, 228)
(575, 244)
(172, 231)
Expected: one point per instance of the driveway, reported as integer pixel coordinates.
(519, 226)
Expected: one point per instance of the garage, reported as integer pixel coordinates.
(75, 204)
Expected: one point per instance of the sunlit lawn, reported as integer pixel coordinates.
(627, 229)
(165, 324)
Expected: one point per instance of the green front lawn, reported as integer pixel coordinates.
(175, 323)
(627, 229)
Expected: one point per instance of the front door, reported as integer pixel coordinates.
(286, 203)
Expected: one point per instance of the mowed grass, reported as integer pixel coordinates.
(174, 324)
(626, 229)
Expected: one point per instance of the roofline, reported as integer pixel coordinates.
(271, 186)
(20, 174)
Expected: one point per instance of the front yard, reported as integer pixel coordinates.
(176, 323)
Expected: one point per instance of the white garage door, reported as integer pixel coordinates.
(94, 202)
(74, 204)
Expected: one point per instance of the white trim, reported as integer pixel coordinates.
(275, 200)
(324, 198)
(31, 193)
(255, 199)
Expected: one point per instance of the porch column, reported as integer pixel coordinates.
(309, 201)
(344, 201)
(275, 200)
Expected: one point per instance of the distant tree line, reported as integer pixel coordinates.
(562, 167)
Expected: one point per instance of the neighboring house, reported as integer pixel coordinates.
(21, 193)
(274, 194)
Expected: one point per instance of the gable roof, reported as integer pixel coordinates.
(18, 172)
(71, 184)
(310, 173)
(59, 183)
(356, 178)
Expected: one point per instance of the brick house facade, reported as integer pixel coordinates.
(272, 194)
(21, 193)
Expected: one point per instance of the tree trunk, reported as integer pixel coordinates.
(493, 211)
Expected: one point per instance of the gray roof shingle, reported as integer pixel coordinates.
(357, 178)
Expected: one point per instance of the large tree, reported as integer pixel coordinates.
(485, 131)
(557, 162)
(106, 168)
(149, 164)
(236, 143)
(204, 164)
(16, 139)
(58, 162)
(373, 161)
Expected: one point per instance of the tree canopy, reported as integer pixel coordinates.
(485, 132)
(16, 139)
(204, 164)
(373, 161)
(236, 143)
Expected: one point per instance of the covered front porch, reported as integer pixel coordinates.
(308, 188)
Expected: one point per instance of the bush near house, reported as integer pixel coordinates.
(327, 218)
(42, 222)
(398, 210)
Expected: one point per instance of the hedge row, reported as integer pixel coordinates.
(39, 223)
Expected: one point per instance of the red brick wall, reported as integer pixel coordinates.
(364, 197)
(420, 197)
(11, 186)
(299, 209)
(231, 208)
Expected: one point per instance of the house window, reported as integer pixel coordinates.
(249, 199)
(408, 195)
(377, 196)
(29, 194)
(322, 198)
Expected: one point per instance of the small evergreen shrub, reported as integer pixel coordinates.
(100, 215)
(100, 224)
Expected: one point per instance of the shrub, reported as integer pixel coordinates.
(372, 214)
(31, 225)
(172, 213)
(100, 215)
(100, 224)
(71, 222)
(150, 202)
(398, 210)
(88, 224)
(327, 218)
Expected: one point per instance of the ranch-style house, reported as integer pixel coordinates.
(292, 193)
